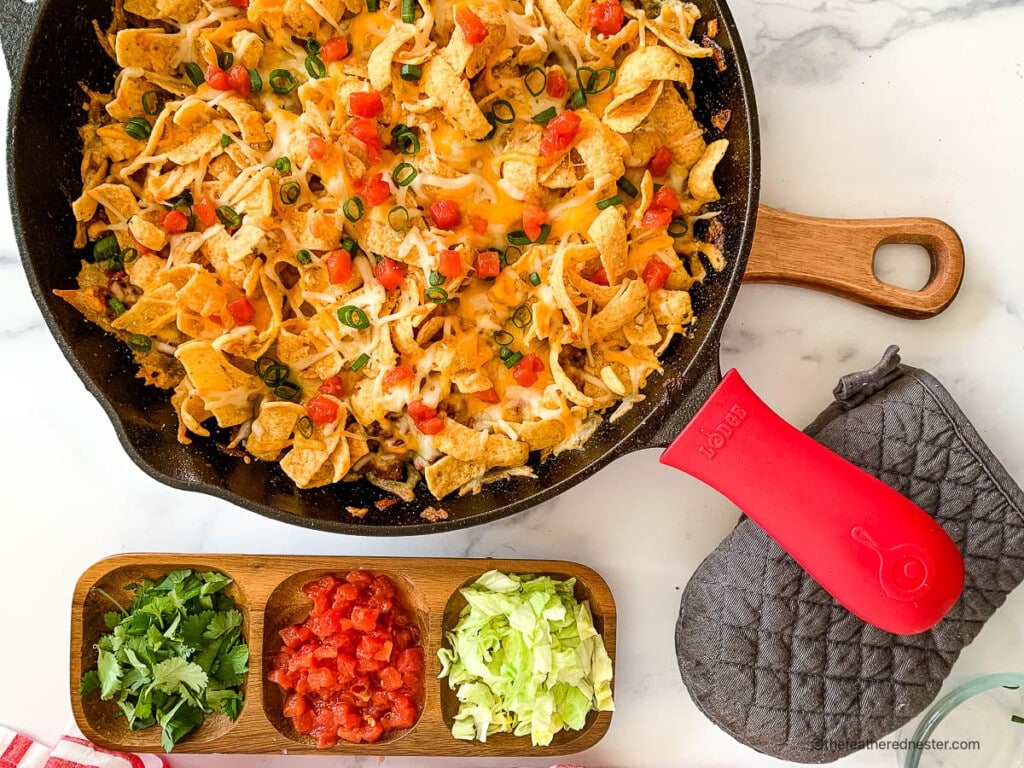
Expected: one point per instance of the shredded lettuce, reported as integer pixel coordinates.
(525, 658)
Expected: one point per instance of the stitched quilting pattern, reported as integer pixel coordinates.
(772, 659)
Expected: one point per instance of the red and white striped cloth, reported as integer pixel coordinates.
(17, 751)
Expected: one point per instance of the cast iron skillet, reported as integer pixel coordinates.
(51, 47)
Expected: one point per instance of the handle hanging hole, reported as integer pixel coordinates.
(904, 265)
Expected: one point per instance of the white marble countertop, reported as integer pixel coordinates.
(868, 108)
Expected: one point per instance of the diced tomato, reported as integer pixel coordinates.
(660, 163)
(339, 266)
(390, 679)
(431, 426)
(534, 217)
(557, 85)
(216, 319)
(239, 80)
(526, 370)
(389, 273)
(304, 723)
(655, 273)
(445, 214)
(375, 189)
(480, 224)
(242, 311)
(317, 148)
(333, 386)
(205, 212)
(419, 412)
(322, 409)
(217, 78)
(489, 396)
(335, 49)
(294, 636)
(364, 619)
(488, 264)
(174, 221)
(599, 277)
(657, 217)
(398, 374)
(281, 677)
(559, 134)
(471, 25)
(365, 104)
(410, 660)
(240, 3)
(450, 264)
(295, 705)
(666, 198)
(607, 17)
(365, 130)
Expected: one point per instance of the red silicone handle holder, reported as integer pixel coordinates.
(872, 549)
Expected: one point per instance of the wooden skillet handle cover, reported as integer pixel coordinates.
(837, 256)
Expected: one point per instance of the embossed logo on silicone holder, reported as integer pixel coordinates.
(904, 571)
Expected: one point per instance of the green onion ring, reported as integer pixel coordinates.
(316, 67)
(152, 103)
(283, 164)
(359, 362)
(518, 237)
(436, 295)
(139, 342)
(256, 81)
(286, 390)
(353, 317)
(282, 81)
(522, 317)
(398, 218)
(628, 187)
(304, 427)
(353, 209)
(535, 278)
(106, 249)
(503, 112)
(542, 84)
(410, 72)
(511, 360)
(313, 46)
(290, 192)
(225, 60)
(228, 217)
(505, 353)
(545, 232)
(138, 128)
(578, 99)
(117, 305)
(409, 11)
(503, 338)
(195, 73)
(304, 257)
(404, 174)
(436, 279)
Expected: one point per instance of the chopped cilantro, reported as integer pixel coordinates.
(176, 656)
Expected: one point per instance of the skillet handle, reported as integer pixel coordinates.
(837, 256)
(871, 548)
(17, 23)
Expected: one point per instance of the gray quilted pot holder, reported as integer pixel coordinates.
(774, 661)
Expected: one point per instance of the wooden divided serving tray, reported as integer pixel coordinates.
(268, 592)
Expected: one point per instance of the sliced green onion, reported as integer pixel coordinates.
(578, 99)
(116, 305)
(282, 81)
(494, 127)
(404, 174)
(256, 80)
(290, 192)
(286, 390)
(316, 67)
(225, 140)
(398, 218)
(505, 353)
(410, 72)
(263, 365)
(545, 232)
(503, 338)
(194, 73)
(1016, 719)
(545, 116)
(313, 46)
(349, 244)
(511, 360)
(228, 217)
(511, 255)
(353, 317)
(608, 202)
(408, 142)
(128, 255)
(522, 317)
(372, 5)
(503, 112)
(304, 427)
(627, 186)
(225, 60)
(304, 257)
(139, 342)
(152, 102)
(518, 237)
(283, 164)
(138, 128)
(359, 362)
(678, 228)
(436, 279)
(437, 295)
(353, 209)
(106, 249)
(595, 80)
(409, 11)
(535, 278)
(536, 81)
